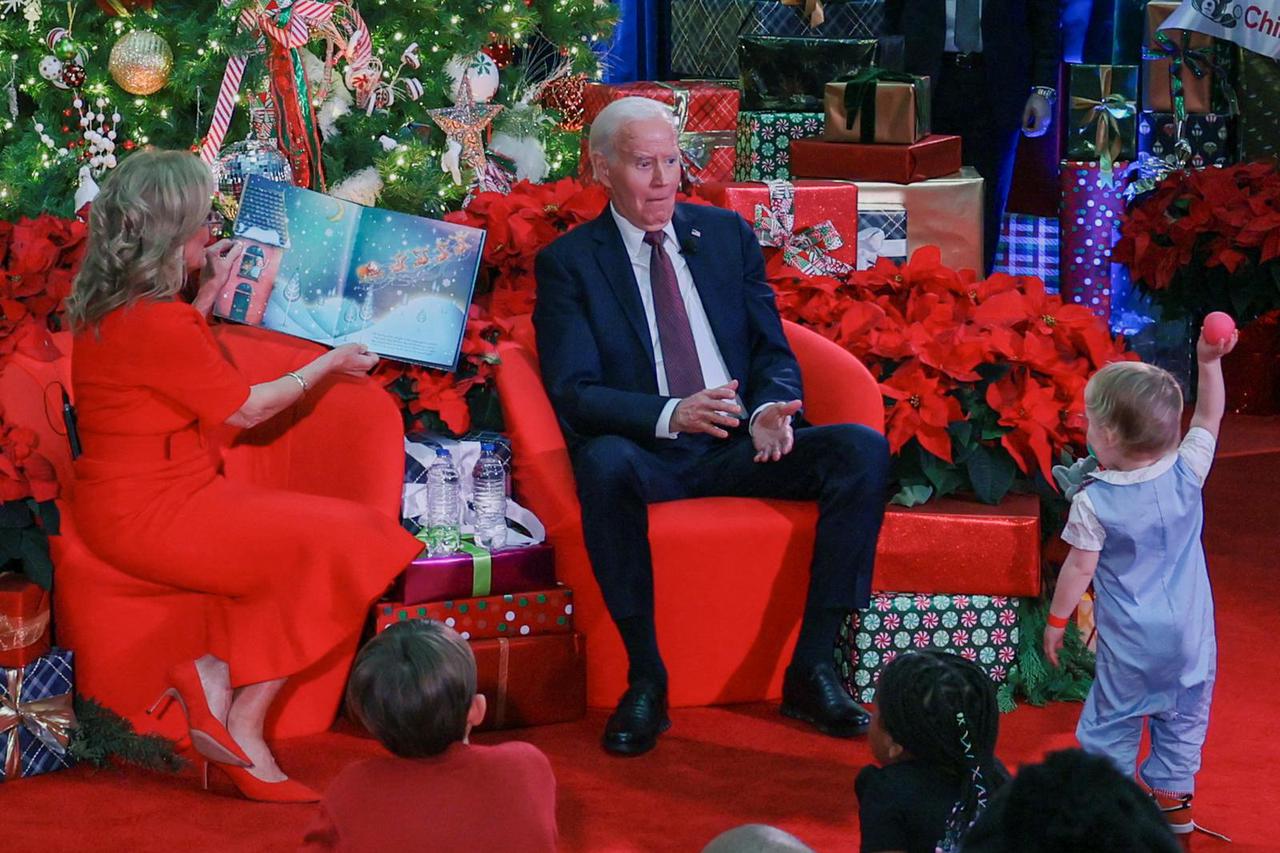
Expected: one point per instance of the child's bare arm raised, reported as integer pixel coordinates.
(1211, 396)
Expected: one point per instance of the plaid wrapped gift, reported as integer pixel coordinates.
(547, 611)
(1210, 138)
(704, 33)
(981, 628)
(882, 233)
(1029, 247)
(764, 143)
(36, 716)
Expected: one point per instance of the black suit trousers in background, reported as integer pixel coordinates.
(962, 107)
(844, 467)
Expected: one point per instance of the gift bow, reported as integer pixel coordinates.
(1198, 61)
(870, 245)
(805, 250)
(18, 632)
(50, 719)
(813, 11)
(1105, 115)
(860, 98)
(696, 146)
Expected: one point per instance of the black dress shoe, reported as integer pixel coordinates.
(817, 697)
(640, 717)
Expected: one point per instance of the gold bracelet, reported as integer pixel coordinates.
(302, 383)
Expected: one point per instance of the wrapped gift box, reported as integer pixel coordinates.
(1259, 83)
(1092, 204)
(548, 611)
(1164, 48)
(931, 157)
(704, 33)
(790, 74)
(882, 233)
(943, 212)
(24, 620)
(706, 119)
(764, 143)
(1102, 115)
(1251, 372)
(531, 681)
(952, 544)
(813, 222)
(1029, 246)
(38, 698)
(886, 111)
(981, 628)
(1086, 623)
(1211, 138)
(476, 573)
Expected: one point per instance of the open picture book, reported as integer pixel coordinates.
(336, 272)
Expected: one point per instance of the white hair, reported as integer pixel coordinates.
(620, 113)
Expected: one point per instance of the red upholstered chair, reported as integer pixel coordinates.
(345, 439)
(730, 574)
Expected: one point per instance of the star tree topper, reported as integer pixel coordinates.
(464, 122)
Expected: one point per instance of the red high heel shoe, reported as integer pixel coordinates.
(208, 735)
(253, 788)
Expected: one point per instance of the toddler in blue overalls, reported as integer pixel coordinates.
(1135, 534)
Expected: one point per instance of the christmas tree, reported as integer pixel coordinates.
(359, 92)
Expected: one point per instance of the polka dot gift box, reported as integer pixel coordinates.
(523, 614)
(1090, 220)
(982, 628)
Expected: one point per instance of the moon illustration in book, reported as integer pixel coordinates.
(339, 212)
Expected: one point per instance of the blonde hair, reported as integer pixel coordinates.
(1140, 403)
(148, 208)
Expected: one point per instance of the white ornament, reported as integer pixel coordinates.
(362, 187)
(480, 69)
(50, 68)
(528, 154)
(87, 191)
(388, 144)
(449, 160)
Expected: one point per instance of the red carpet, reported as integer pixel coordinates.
(721, 767)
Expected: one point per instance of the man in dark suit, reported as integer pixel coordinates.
(663, 354)
(993, 66)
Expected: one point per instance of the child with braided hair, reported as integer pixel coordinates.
(934, 735)
(1135, 531)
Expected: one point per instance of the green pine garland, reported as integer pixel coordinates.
(103, 736)
(1032, 676)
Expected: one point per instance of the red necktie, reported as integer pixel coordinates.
(679, 354)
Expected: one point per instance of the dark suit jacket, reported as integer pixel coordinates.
(1021, 46)
(593, 339)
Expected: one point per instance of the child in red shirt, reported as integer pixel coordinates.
(414, 687)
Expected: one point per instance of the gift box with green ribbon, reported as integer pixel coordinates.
(980, 628)
(706, 121)
(1184, 72)
(474, 572)
(877, 105)
(1102, 123)
(36, 715)
(519, 614)
(764, 143)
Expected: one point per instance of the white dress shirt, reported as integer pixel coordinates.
(949, 45)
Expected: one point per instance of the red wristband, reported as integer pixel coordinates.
(1057, 621)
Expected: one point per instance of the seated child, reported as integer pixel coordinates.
(934, 735)
(414, 687)
(1135, 531)
(1073, 801)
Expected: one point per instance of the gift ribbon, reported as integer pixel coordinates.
(860, 98)
(696, 146)
(50, 719)
(481, 568)
(813, 11)
(1198, 61)
(504, 669)
(805, 250)
(17, 632)
(1104, 113)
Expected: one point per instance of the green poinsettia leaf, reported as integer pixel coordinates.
(945, 476)
(912, 495)
(991, 471)
(36, 564)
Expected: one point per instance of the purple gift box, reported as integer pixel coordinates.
(1092, 204)
(472, 574)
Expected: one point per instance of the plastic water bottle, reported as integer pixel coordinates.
(489, 481)
(444, 505)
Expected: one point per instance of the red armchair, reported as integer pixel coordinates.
(127, 633)
(730, 574)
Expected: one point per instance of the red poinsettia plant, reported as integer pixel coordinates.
(984, 379)
(1207, 240)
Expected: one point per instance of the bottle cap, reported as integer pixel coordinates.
(440, 451)
(487, 446)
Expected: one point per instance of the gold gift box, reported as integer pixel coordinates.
(899, 120)
(944, 212)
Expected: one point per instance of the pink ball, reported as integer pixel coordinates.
(1218, 327)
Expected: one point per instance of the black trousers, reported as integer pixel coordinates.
(962, 107)
(844, 467)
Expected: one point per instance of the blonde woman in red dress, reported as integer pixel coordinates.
(293, 574)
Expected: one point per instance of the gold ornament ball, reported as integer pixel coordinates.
(140, 62)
